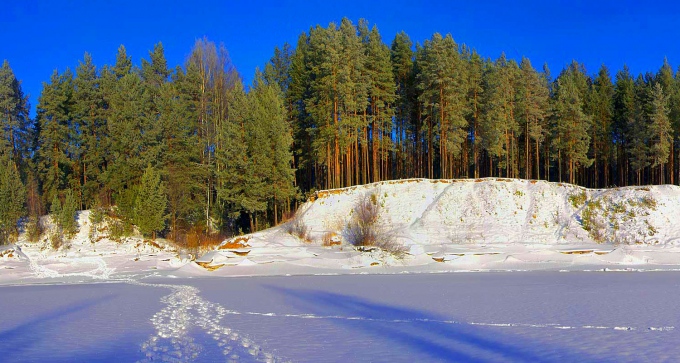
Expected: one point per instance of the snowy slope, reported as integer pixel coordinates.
(85, 256)
(487, 211)
(445, 225)
(483, 224)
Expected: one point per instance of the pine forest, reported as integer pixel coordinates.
(191, 149)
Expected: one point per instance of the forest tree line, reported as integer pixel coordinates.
(341, 108)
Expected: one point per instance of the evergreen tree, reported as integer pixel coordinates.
(660, 131)
(572, 124)
(12, 197)
(670, 88)
(16, 127)
(442, 82)
(381, 96)
(401, 55)
(602, 109)
(55, 107)
(67, 214)
(499, 124)
(532, 104)
(150, 203)
(239, 189)
(88, 131)
(55, 211)
(624, 117)
(274, 159)
(180, 157)
(638, 128)
(475, 95)
(123, 64)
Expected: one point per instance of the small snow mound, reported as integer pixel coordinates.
(246, 262)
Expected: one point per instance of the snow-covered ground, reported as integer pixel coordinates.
(468, 317)
(571, 274)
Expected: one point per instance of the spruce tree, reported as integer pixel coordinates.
(12, 197)
(150, 204)
(89, 130)
(68, 212)
(54, 113)
(15, 133)
(239, 188)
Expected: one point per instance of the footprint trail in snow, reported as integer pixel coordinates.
(185, 310)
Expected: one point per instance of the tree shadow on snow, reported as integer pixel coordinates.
(432, 335)
(17, 340)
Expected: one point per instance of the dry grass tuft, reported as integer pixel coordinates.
(330, 239)
(236, 243)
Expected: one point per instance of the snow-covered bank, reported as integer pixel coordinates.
(474, 225)
(445, 225)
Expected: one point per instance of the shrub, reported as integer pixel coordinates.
(97, 215)
(56, 238)
(34, 228)
(578, 199)
(297, 227)
(119, 229)
(327, 239)
(648, 202)
(64, 214)
(363, 230)
(196, 240)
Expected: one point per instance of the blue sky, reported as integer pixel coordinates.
(40, 36)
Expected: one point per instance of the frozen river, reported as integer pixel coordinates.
(459, 317)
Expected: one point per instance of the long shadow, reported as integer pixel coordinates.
(422, 331)
(14, 341)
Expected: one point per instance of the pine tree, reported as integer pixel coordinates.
(442, 82)
(573, 125)
(499, 124)
(532, 104)
(381, 95)
(123, 64)
(624, 117)
(660, 130)
(150, 204)
(408, 126)
(638, 129)
(602, 109)
(12, 197)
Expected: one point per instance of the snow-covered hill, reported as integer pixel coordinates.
(492, 211)
(482, 224)
(443, 225)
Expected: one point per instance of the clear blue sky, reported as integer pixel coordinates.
(40, 36)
